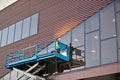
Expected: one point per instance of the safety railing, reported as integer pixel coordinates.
(25, 53)
(36, 50)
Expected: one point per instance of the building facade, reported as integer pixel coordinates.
(91, 26)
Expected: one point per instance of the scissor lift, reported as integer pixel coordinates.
(34, 54)
(35, 58)
(42, 59)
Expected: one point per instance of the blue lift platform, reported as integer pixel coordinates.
(44, 53)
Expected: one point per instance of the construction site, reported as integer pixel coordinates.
(60, 40)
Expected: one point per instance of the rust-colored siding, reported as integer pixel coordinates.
(56, 18)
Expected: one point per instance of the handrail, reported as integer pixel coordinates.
(21, 52)
(35, 51)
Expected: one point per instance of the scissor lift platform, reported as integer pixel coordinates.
(35, 54)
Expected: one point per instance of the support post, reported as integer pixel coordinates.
(18, 55)
(36, 50)
(71, 49)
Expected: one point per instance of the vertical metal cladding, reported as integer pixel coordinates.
(56, 18)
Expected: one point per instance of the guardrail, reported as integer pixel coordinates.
(36, 50)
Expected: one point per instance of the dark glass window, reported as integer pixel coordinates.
(78, 36)
(118, 29)
(107, 18)
(26, 28)
(119, 55)
(92, 49)
(118, 26)
(118, 5)
(11, 31)
(108, 51)
(34, 24)
(92, 23)
(78, 57)
(4, 37)
(0, 37)
(18, 30)
(66, 39)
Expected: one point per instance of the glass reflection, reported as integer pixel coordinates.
(34, 24)
(92, 23)
(107, 25)
(18, 31)
(66, 39)
(11, 34)
(108, 51)
(119, 55)
(26, 27)
(78, 36)
(0, 37)
(92, 49)
(4, 37)
(117, 5)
